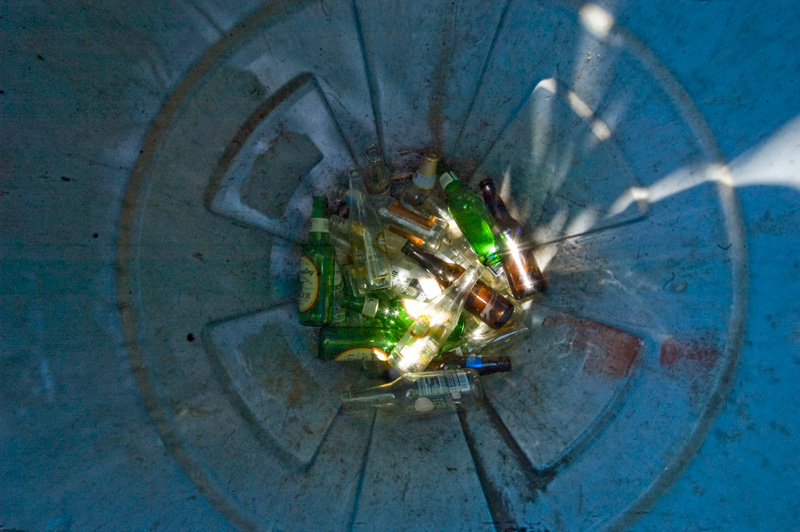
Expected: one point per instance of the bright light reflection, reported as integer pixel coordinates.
(596, 20)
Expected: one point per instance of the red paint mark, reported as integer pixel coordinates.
(608, 350)
(697, 354)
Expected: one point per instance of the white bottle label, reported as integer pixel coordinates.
(309, 284)
(320, 225)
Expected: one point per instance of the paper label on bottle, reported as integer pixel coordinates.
(401, 277)
(361, 354)
(370, 307)
(320, 225)
(450, 384)
(309, 284)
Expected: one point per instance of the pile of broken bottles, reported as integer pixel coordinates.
(420, 281)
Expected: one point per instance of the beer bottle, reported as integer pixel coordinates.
(378, 179)
(423, 181)
(396, 314)
(316, 269)
(419, 392)
(483, 302)
(523, 273)
(472, 218)
(402, 220)
(432, 327)
(347, 344)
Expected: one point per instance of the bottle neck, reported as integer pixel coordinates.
(445, 273)
(367, 398)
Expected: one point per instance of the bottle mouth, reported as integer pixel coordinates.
(487, 184)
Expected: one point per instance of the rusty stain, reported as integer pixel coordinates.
(608, 350)
(695, 355)
(295, 395)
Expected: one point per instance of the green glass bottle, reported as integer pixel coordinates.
(317, 269)
(396, 314)
(362, 344)
(426, 336)
(472, 217)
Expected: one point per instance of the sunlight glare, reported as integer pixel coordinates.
(596, 20)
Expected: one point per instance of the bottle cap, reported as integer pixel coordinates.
(370, 307)
(447, 178)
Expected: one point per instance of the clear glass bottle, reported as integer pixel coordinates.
(426, 336)
(316, 269)
(378, 179)
(484, 340)
(524, 276)
(472, 218)
(428, 229)
(420, 392)
(483, 302)
(423, 181)
(369, 262)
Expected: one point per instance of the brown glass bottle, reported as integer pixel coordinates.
(483, 365)
(483, 302)
(523, 273)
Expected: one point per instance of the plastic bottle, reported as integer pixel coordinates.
(316, 269)
(524, 276)
(472, 218)
(420, 392)
(426, 336)
(423, 181)
(483, 302)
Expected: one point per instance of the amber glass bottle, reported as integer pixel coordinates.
(483, 302)
(523, 273)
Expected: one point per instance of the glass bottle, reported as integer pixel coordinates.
(428, 229)
(419, 392)
(430, 330)
(472, 218)
(370, 264)
(396, 314)
(483, 302)
(378, 179)
(345, 344)
(483, 365)
(485, 340)
(423, 181)
(523, 273)
(316, 269)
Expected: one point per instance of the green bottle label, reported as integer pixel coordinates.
(309, 284)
